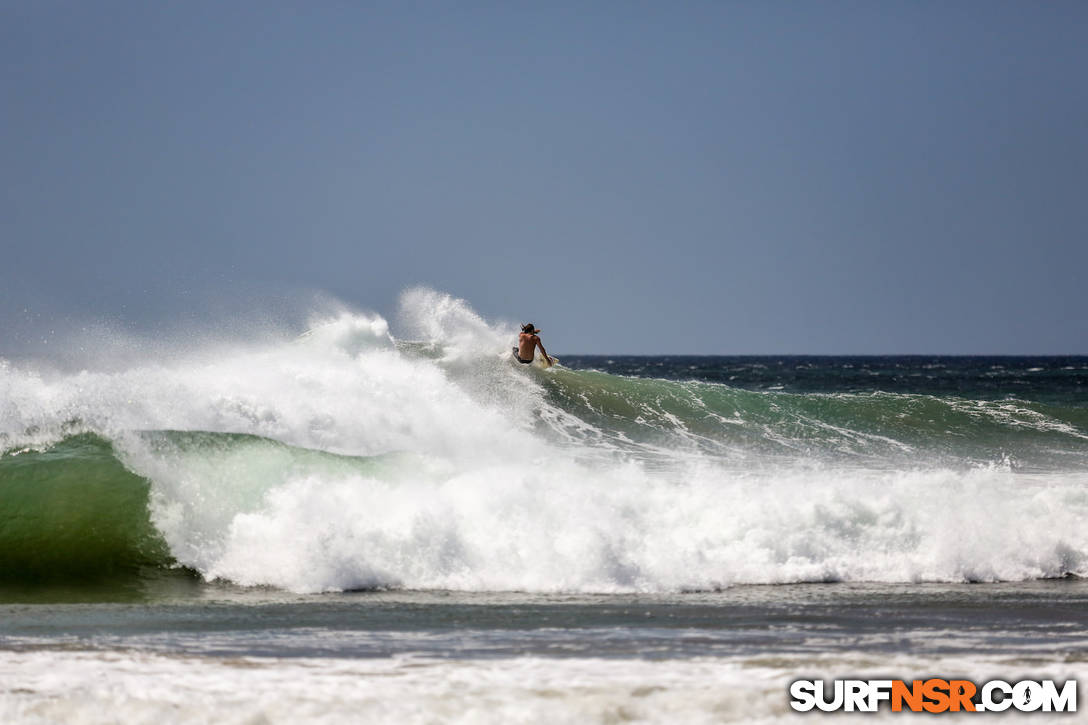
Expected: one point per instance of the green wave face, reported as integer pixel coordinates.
(74, 512)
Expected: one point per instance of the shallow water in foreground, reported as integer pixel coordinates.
(184, 651)
(1021, 622)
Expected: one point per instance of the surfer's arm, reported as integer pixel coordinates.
(542, 350)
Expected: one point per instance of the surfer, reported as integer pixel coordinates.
(528, 342)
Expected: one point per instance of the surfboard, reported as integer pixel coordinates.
(540, 362)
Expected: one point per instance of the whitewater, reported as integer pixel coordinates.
(351, 458)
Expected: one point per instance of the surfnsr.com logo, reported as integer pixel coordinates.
(933, 695)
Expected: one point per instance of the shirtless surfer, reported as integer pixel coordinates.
(528, 342)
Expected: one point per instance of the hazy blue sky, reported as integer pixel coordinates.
(720, 177)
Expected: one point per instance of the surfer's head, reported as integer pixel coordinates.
(528, 329)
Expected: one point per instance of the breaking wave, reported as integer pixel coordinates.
(348, 458)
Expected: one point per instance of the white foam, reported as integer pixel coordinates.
(89, 688)
(551, 524)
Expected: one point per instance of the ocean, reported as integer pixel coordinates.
(348, 525)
